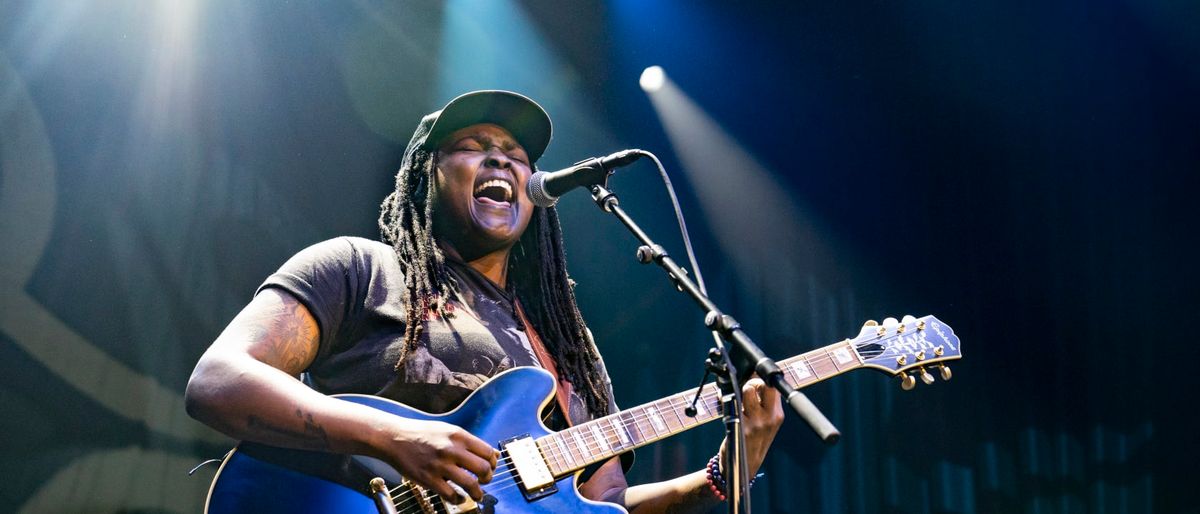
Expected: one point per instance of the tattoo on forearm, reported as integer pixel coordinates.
(688, 503)
(312, 432)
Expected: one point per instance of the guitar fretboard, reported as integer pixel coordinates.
(602, 438)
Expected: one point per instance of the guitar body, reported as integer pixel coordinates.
(266, 480)
(270, 481)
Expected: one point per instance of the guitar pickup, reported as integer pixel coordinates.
(531, 470)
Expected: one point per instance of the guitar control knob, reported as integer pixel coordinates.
(926, 377)
(907, 382)
(945, 371)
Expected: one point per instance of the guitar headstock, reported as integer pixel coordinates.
(914, 345)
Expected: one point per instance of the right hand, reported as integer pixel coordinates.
(433, 453)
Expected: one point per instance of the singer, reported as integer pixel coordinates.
(468, 281)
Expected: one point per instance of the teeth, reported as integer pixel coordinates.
(496, 183)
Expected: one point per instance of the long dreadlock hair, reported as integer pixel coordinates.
(537, 269)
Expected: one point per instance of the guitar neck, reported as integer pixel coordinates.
(600, 439)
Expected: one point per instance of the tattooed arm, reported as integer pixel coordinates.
(246, 386)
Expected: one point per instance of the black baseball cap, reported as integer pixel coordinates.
(518, 114)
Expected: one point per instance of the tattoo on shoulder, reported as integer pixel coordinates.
(312, 432)
(287, 335)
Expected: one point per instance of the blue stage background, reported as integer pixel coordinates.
(1024, 171)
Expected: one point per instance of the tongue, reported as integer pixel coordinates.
(492, 195)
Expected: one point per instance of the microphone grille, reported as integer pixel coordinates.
(536, 188)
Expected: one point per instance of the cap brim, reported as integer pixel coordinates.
(520, 116)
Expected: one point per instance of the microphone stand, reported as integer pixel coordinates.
(745, 359)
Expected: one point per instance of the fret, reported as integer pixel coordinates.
(841, 357)
(656, 421)
(677, 418)
(635, 435)
(601, 440)
(550, 456)
(664, 413)
(708, 406)
(581, 444)
(611, 443)
(564, 450)
(822, 364)
(712, 402)
(622, 433)
(800, 373)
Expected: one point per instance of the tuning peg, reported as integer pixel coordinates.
(907, 382)
(908, 319)
(890, 322)
(926, 377)
(871, 323)
(946, 374)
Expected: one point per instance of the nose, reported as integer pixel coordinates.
(498, 159)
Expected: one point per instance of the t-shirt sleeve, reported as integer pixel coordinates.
(324, 277)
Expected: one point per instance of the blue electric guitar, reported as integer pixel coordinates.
(538, 468)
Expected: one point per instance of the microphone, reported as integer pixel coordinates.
(545, 188)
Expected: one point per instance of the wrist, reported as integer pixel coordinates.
(718, 484)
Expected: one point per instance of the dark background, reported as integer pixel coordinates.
(1023, 170)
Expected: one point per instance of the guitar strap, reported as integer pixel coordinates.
(563, 391)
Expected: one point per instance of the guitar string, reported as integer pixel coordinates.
(673, 404)
(592, 444)
(818, 363)
(499, 479)
(823, 359)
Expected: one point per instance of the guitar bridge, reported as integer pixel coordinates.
(530, 469)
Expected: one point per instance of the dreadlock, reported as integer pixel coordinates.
(537, 270)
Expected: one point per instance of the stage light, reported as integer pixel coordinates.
(652, 79)
(751, 207)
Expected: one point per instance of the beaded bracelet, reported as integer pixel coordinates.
(716, 482)
(713, 472)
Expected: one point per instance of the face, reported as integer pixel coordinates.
(481, 205)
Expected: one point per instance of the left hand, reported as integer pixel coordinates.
(762, 414)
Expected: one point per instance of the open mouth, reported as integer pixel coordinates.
(494, 191)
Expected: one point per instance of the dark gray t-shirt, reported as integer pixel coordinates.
(355, 290)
